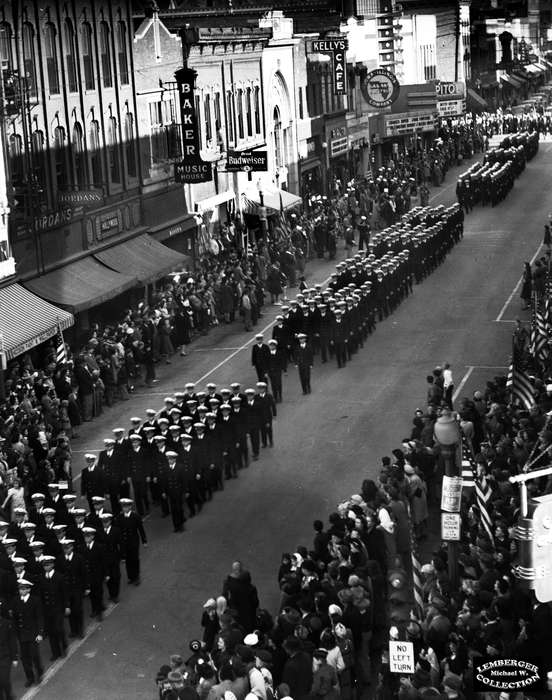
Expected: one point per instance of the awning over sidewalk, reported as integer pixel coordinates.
(144, 256)
(475, 102)
(511, 80)
(81, 284)
(274, 200)
(215, 201)
(26, 320)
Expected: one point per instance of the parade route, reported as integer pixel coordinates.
(325, 443)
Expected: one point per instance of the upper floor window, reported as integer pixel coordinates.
(105, 55)
(29, 58)
(88, 56)
(248, 118)
(239, 106)
(50, 52)
(207, 121)
(230, 118)
(6, 46)
(122, 53)
(70, 56)
(257, 109)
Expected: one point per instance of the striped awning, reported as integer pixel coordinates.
(274, 200)
(26, 320)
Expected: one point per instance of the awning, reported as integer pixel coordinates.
(147, 258)
(511, 80)
(274, 200)
(475, 102)
(543, 68)
(214, 201)
(81, 284)
(521, 76)
(532, 68)
(26, 320)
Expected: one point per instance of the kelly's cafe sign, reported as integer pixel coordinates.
(191, 168)
(337, 49)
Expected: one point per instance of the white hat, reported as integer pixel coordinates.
(89, 457)
(251, 639)
(335, 610)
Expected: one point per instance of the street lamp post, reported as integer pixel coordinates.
(447, 435)
(262, 213)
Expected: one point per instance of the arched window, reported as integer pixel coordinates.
(230, 118)
(50, 52)
(39, 160)
(70, 56)
(257, 109)
(94, 149)
(113, 151)
(248, 118)
(130, 146)
(60, 157)
(15, 147)
(29, 58)
(6, 46)
(87, 56)
(122, 53)
(77, 143)
(105, 55)
(278, 138)
(239, 109)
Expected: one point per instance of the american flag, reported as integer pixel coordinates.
(468, 481)
(61, 350)
(482, 496)
(518, 382)
(538, 341)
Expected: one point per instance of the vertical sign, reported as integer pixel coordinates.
(337, 49)
(192, 168)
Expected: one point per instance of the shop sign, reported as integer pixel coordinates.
(338, 146)
(401, 657)
(107, 225)
(337, 49)
(192, 168)
(246, 161)
(31, 343)
(451, 108)
(83, 197)
(55, 218)
(409, 123)
(450, 527)
(380, 88)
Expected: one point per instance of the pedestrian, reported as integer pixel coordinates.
(8, 653)
(259, 357)
(246, 307)
(304, 361)
(132, 533)
(448, 385)
(526, 286)
(26, 610)
(276, 365)
(55, 605)
(325, 683)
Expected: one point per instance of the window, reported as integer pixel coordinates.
(257, 109)
(207, 121)
(122, 53)
(88, 57)
(6, 46)
(217, 110)
(15, 147)
(29, 59)
(239, 100)
(70, 56)
(105, 55)
(248, 115)
(198, 121)
(164, 131)
(230, 117)
(78, 155)
(60, 157)
(113, 151)
(277, 138)
(39, 160)
(50, 52)
(95, 151)
(130, 146)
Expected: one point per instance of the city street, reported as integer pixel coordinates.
(325, 443)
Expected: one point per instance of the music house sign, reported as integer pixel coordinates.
(192, 168)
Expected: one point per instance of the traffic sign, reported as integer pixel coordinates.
(401, 657)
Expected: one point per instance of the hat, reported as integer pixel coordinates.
(272, 341)
(47, 559)
(89, 530)
(118, 431)
(177, 660)
(135, 436)
(189, 385)
(251, 640)
(98, 499)
(37, 544)
(69, 497)
(170, 453)
(168, 399)
(23, 583)
(235, 399)
(90, 457)
(19, 561)
(261, 385)
(59, 527)
(211, 603)
(135, 419)
(106, 515)
(126, 501)
(9, 542)
(235, 385)
(109, 441)
(226, 407)
(159, 438)
(195, 645)
(211, 385)
(37, 496)
(175, 677)
(249, 391)
(48, 511)
(3, 523)
(150, 412)
(259, 335)
(334, 610)
(186, 436)
(149, 429)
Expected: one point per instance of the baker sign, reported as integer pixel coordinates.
(401, 657)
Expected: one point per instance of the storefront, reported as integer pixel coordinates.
(213, 213)
(311, 169)
(337, 155)
(407, 130)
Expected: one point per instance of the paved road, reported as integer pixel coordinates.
(326, 443)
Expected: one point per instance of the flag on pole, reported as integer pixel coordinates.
(61, 350)
(518, 382)
(482, 496)
(538, 339)
(468, 481)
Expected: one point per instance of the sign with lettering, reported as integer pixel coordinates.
(409, 123)
(55, 218)
(246, 161)
(451, 108)
(337, 48)
(108, 224)
(449, 90)
(338, 146)
(450, 527)
(192, 168)
(84, 197)
(401, 657)
(451, 494)
(380, 88)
